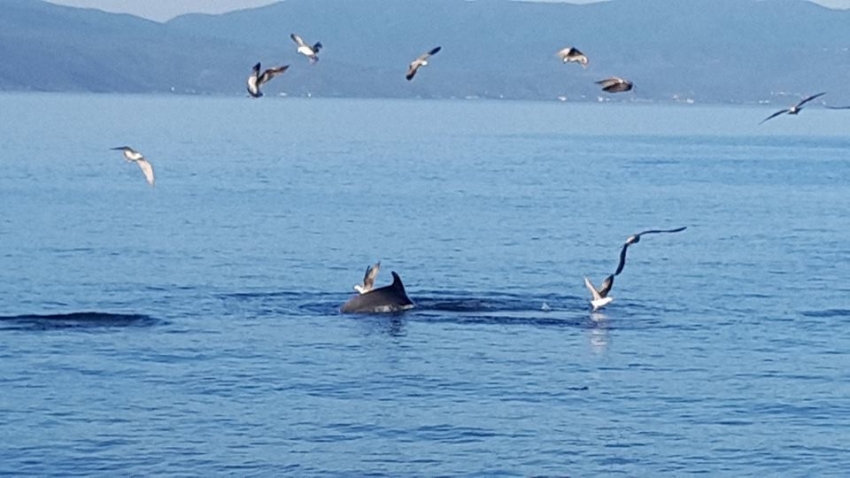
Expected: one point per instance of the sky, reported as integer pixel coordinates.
(162, 10)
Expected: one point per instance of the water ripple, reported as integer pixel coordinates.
(75, 320)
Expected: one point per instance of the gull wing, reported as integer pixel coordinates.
(609, 82)
(127, 149)
(569, 52)
(810, 98)
(371, 275)
(252, 80)
(615, 85)
(593, 292)
(412, 69)
(271, 73)
(577, 52)
(433, 51)
(606, 286)
(147, 169)
(622, 263)
(657, 231)
(635, 238)
(297, 39)
(774, 115)
(838, 107)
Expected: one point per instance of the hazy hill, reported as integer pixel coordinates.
(738, 50)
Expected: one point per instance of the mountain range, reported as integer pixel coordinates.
(736, 51)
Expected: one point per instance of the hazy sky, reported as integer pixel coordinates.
(165, 9)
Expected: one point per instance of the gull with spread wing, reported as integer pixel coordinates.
(571, 54)
(794, 110)
(419, 63)
(133, 156)
(310, 52)
(635, 238)
(369, 278)
(257, 79)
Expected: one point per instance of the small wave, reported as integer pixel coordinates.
(75, 320)
(827, 313)
(494, 302)
(435, 306)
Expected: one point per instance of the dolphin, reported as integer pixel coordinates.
(391, 298)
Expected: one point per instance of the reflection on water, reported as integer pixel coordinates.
(598, 332)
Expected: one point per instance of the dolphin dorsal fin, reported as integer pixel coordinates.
(397, 284)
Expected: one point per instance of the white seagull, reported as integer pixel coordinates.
(369, 278)
(310, 52)
(600, 296)
(571, 54)
(635, 238)
(615, 85)
(420, 62)
(134, 156)
(256, 80)
(794, 109)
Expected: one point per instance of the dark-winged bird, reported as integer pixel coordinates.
(419, 63)
(794, 109)
(133, 156)
(369, 278)
(310, 52)
(257, 79)
(571, 54)
(599, 297)
(635, 238)
(615, 85)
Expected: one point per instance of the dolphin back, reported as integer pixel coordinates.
(387, 299)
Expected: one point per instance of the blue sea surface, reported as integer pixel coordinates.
(193, 328)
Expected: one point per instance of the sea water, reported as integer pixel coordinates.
(193, 328)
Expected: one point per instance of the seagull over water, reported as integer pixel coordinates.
(599, 297)
(571, 54)
(256, 79)
(369, 278)
(420, 62)
(310, 52)
(794, 109)
(134, 156)
(615, 85)
(635, 238)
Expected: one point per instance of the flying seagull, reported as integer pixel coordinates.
(571, 54)
(134, 156)
(635, 238)
(794, 109)
(310, 52)
(256, 79)
(420, 62)
(615, 85)
(600, 296)
(369, 278)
